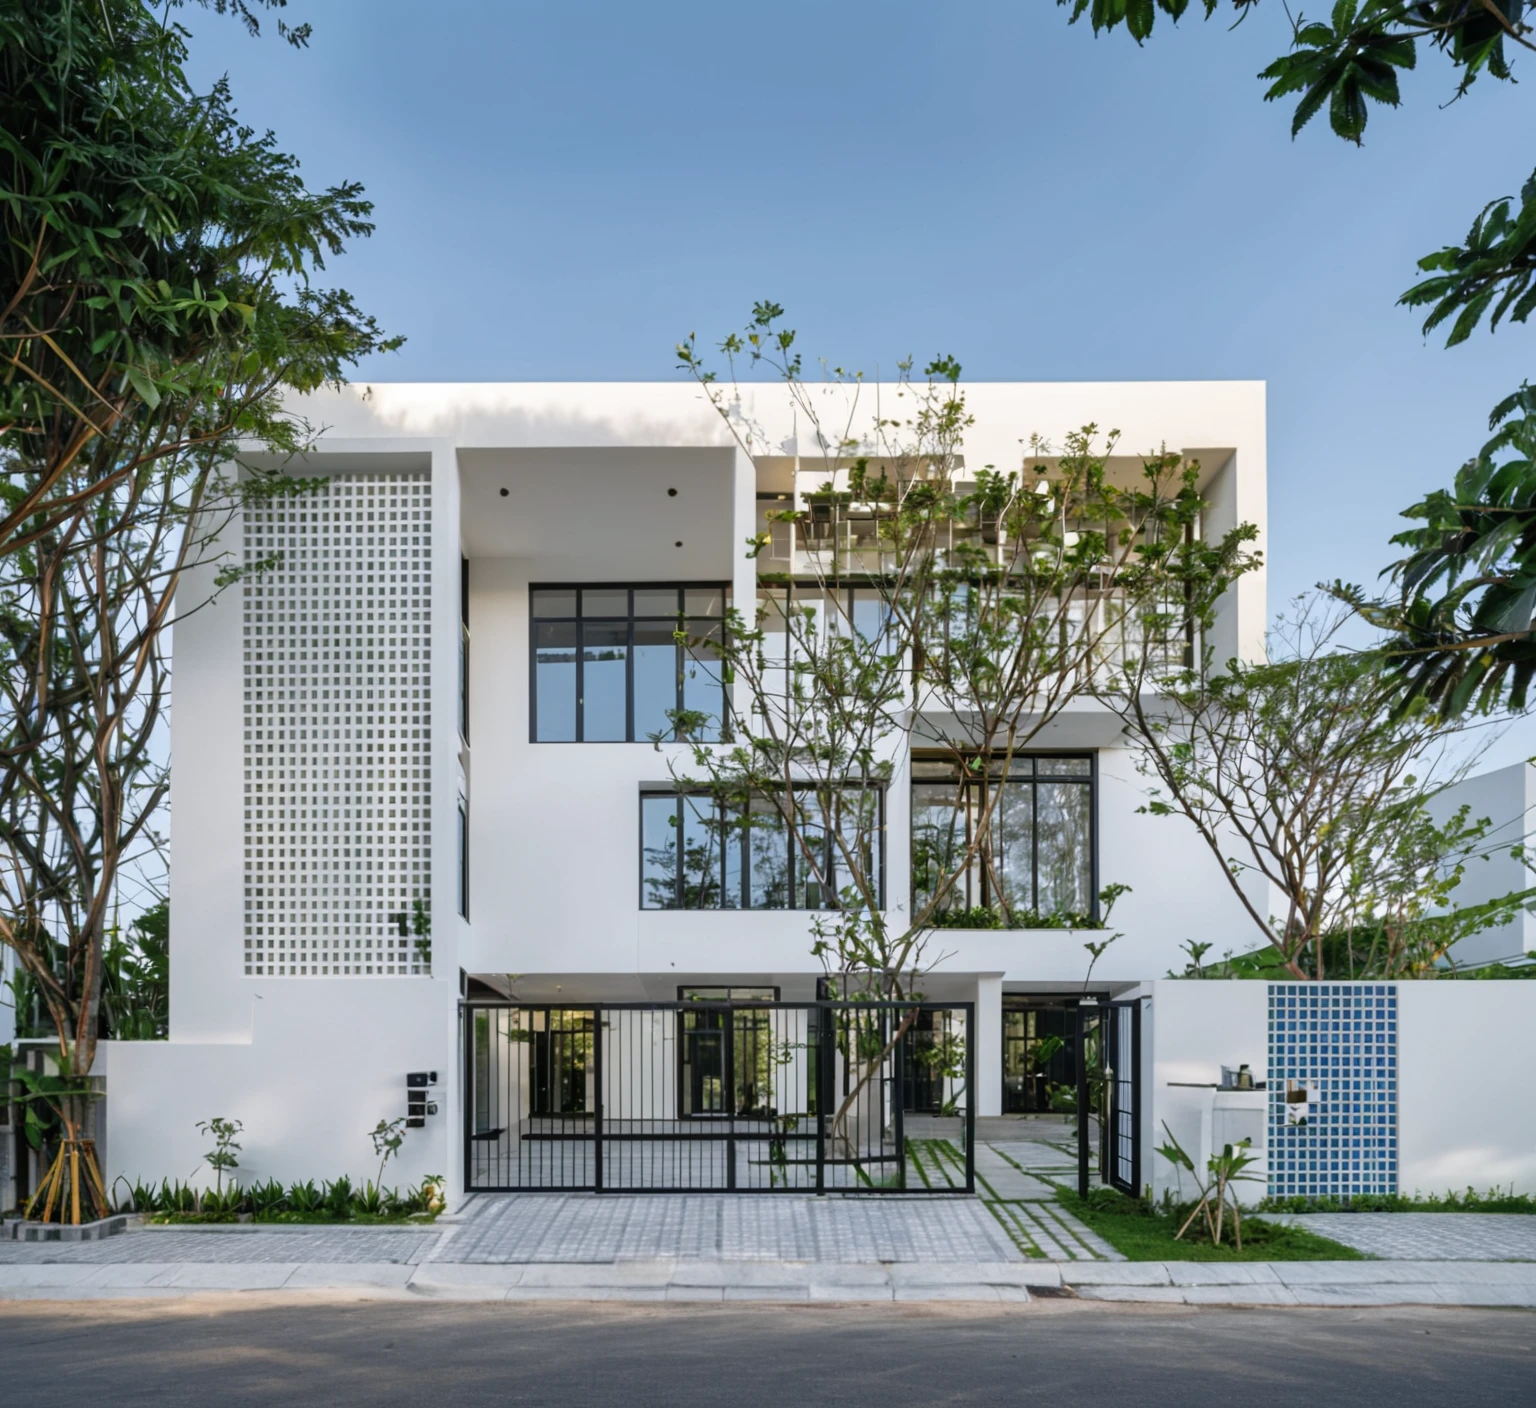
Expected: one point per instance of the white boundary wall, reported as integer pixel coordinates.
(1465, 1053)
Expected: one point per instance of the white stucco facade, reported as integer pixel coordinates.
(1505, 798)
(542, 484)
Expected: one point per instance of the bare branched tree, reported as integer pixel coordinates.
(1305, 772)
(931, 609)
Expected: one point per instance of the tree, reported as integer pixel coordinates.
(931, 607)
(158, 307)
(155, 290)
(1301, 773)
(1462, 616)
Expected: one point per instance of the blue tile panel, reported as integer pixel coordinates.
(1338, 1043)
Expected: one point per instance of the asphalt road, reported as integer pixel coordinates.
(240, 1350)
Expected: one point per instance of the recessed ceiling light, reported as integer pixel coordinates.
(504, 493)
(671, 493)
(678, 543)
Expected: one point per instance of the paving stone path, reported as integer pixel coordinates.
(583, 1228)
(344, 1245)
(1429, 1236)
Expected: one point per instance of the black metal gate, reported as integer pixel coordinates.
(1108, 1095)
(727, 1096)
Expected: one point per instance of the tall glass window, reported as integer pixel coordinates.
(608, 668)
(1035, 823)
(700, 853)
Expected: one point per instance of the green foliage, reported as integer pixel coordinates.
(1353, 57)
(338, 1198)
(159, 292)
(387, 1137)
(337, 1201)
(1494, 1200)
(1463, 622)
(1462, 619)
(306, 1199)
(984, 917)
(160, 263)
(1308, 771)
(136, 978)
(43, 1098)
(1144, 1233)
(266, 1199)
(1216, 1197)
(1488, 275)
(224, 1157)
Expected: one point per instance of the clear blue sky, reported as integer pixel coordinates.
(563, 190)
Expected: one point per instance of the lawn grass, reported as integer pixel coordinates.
(1145, 1235)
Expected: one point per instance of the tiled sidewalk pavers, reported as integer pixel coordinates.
(336, 1245)
(579, 1227)
(1429, 1236)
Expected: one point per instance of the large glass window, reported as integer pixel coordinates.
(1021, 838)
(700, 853)
(608, 668)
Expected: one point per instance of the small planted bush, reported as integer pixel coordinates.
(266, 1199)
(1494, 1200)
(338, 1199)
(305, 1198)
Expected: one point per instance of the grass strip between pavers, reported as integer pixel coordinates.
(1144, 1235)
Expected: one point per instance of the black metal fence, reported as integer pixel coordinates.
(729, 1096)
(1108, 1089)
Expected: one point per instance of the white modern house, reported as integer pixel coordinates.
(412, 768)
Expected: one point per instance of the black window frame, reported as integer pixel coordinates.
(983, 780)
(580, 618)
(791, 881)
(464, 649)
(725, 1010)
(463, 856)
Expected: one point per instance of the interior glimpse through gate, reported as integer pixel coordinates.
(1108, 1090)
(727, 1096)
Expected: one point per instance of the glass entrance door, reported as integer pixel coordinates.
(1039, 1058)
(704, 1063)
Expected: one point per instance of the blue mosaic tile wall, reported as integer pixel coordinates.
(1332, 1089)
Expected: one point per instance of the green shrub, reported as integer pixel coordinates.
(1494, 1200)
(1104, 1199)
(371, 1201)
(142, 1198)
(305, 1199)
(338, 1198)
(176, 1197)
(266, 1198)
(222, 1205)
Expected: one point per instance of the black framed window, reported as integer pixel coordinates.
(464, 648)
(463, 858)
(837, 610)
(607, 667)
(698, 852)
(1038, 857)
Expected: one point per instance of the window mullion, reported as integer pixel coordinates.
(679, 868)
(1034, 844)
(629, 670)
(581, 674)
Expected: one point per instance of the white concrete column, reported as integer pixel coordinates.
(989, 1044)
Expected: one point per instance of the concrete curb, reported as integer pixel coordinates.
(1186, 1283)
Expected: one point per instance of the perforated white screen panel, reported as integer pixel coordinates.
(338, 704)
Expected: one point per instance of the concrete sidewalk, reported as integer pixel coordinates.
(1353, 1283)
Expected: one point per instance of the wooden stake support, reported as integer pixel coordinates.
(73, 1164)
